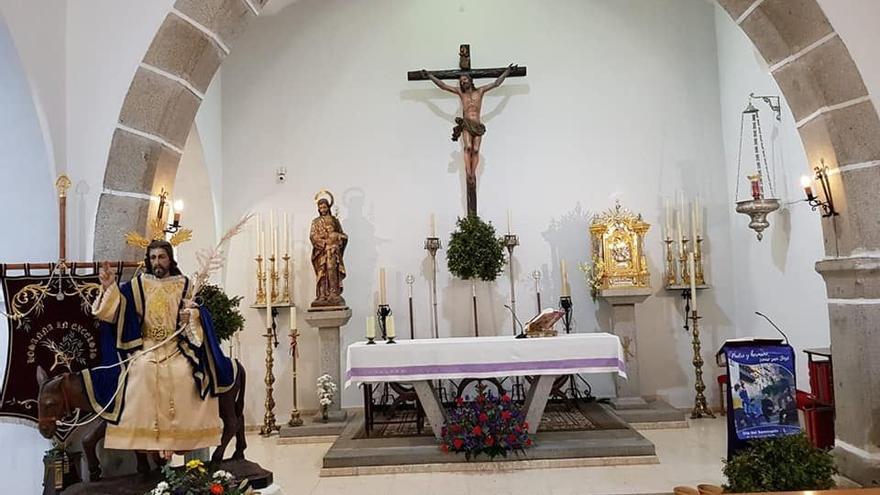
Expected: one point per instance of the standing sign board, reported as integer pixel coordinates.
(761, 396)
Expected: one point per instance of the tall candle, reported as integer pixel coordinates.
(382, 299)
(693, 282)
(268, 291)
(433, 226)
(694, 223)
(668, 207)
(389, 327)
(272, 232)
(508, 221)
(286, 234)
(565, 287)
(678, 236)
(371, 327)
(292, 318)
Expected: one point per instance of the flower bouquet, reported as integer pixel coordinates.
(194, 479)
(326, 392)
(489, 424)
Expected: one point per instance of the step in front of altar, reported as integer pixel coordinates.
(614, 443)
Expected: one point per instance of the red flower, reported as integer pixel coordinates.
(505, 415)
(444, 447)
(455, 428)
(477, 430)
(505, 398)
(459, 401)
(528, 442)
(457, 443)
(511, 438)
(517, 428)
(216, 489)
(525, 425)
(483, 417)
(480, 399)
(490, 441)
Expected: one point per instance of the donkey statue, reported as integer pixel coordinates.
(62, 395)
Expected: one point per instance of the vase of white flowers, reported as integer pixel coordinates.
(326, 392)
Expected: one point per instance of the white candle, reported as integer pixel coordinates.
(565, 288)
(693, 283)
(668, 207)
(268, 291)
(433, 226)
(509, 222)
(693, 224)
(260, 234)
(382, 299)
(678, 237)
(389, 327)
(371, 327)
(286, 234)
(272, 232)
(292, 318)
(699, 210)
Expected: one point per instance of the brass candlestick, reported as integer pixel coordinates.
(285, 291)
(432, 244)
(261, 280)
(684, 272)
(295, 419)
(701, 408)
(698, 261)
(269, 425)
(273, 276)
(670, 263)
(511, 241)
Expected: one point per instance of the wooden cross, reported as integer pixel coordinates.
(469, 127)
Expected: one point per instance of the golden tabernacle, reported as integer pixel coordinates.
(618, 237)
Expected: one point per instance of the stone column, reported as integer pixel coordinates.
(853, 286)
(623, 317)
(328, 323)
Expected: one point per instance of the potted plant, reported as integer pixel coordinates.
(224, 310)
(490, 424)
(195, 478)
(788, 463)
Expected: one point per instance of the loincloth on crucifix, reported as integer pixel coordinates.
(473, 127)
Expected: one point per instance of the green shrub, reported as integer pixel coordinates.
(474, 251)
(224, 310)
(789, 463)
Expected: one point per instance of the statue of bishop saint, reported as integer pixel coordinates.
(165, 399)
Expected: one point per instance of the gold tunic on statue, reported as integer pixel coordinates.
(163, 410)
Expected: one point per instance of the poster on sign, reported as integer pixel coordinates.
(762, 391)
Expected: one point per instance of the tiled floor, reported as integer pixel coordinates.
(687, 457)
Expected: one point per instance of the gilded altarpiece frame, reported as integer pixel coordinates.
(618, 238)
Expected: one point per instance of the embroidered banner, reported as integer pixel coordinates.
(49, 326)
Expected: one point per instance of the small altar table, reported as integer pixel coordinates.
(422, 360)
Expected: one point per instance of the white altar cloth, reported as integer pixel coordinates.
(483, 357)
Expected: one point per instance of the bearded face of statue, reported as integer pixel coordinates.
(465, 83)
(160, 262)
(323, 208)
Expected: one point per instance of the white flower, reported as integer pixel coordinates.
(222, 475)
(161, 489)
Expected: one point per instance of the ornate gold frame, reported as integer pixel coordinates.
(618, 238)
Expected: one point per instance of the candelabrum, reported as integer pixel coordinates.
(670, 263)
(261, 281)
(295, 419)
(565, 304)
(273, 280)
(698, 261)
(383, 313)
(684, 273)
(701, 408)
(537, 276)
(511, 241)
(432, 245)
(285, 291)
(269, 425)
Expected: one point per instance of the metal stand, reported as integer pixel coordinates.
(269, 426)
(474, 297)
(670, 263)
(383, 313)
(409, 282)
(432, 244)
(295, 419)
(511, 241)
(701, 408)
(565, 304)
(537, 276)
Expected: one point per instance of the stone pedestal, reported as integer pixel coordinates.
(629, 404)
(328, 321)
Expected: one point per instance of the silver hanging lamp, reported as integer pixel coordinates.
(761, 182)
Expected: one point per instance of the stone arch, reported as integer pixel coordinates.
(835, 117)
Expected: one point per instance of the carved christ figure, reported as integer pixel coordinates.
(469, 126)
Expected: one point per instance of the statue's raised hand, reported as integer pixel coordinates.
(106, 275)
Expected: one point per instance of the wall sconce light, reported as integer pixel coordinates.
(821, 175)
(176, 209)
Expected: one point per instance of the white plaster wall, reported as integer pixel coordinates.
(209, 123)
(775, 276)
(621, 102)
(29, 235)
(193, 186)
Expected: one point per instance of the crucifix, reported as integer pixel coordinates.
(469, 126)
